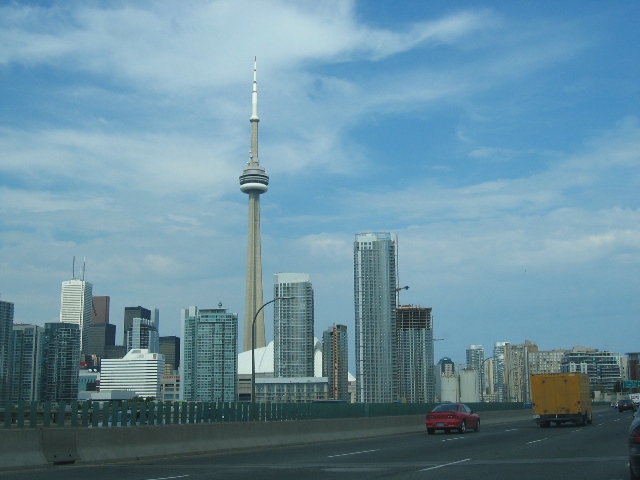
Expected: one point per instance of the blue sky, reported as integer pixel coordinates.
(499, 140)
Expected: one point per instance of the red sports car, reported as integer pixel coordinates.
(452, 416)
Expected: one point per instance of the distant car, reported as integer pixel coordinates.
(626, 404)
(452, 416)
(634, 449)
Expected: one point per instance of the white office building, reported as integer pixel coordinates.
(76, 301)
(138, 371)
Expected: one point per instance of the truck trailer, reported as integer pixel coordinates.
(561, 398)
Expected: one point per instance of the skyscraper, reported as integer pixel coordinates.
(61, 361)
(375, 317)
(170, 348)
(143, 334)
(499, 370)
(27, 363)
(293, 325)
(209, 355)
(415, 353)
(6, 349)
(129, 314)
(101, 332)
(254, 182)
(335, 361)
(76, 305)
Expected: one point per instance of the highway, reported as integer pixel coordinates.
(516, 450)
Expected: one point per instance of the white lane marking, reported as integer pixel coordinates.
(445, 465)
(452, 439)
(576, 430)
(536, 441)
(511, 430)
(169, 478)
(352, 453)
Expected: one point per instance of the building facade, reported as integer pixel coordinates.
(76, 301)
(6, 349)
(475, 360)
(138, 371)
(129, 314)
(209, 355)
(61, 361)
(414, 330)
(546, 361)
(374, 256)
(26, 378)
(499, 370)
(293, 325)
(144, 335)
(101, 333)
(335, 361)
(292, 389)
(605, 369)
(170, 348)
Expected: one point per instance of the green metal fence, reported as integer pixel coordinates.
(127, 414)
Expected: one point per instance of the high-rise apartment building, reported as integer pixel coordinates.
(129, 314)
(26, 378)
(254, 182)
(76, 307)
(374, 256)
(139, 371)
(170, 348)
(516, 386)
(335, 361)
(545, 361)
(293, 323)
(499, 370)
(61, 361)
(6, 349)
(209, 355)
(475, 360)
(414, 327)
(604, 368)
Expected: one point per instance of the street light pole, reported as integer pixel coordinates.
(253, 354)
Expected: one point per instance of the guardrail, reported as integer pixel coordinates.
(120, 414)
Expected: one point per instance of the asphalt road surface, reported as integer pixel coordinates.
(518, 450)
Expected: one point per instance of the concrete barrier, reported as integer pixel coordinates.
(36, 447)
(21, 448)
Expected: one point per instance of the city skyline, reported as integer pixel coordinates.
(499, 141)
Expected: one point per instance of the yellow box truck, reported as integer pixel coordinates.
(560, 398)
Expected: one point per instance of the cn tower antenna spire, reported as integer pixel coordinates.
(254, 182)
(254, 94)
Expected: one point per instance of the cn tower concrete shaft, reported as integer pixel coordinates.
(254, 182)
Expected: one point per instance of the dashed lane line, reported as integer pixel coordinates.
(445, 465)
(352, 453)
(536, 441)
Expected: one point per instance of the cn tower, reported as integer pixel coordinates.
(253, 182)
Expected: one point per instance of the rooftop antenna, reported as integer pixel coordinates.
(73, 269)
(84, 260)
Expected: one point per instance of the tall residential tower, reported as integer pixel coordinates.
(253, 182)
(374, 257)
(293, 321)
(414, 327)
